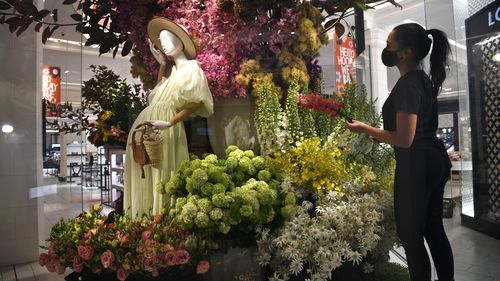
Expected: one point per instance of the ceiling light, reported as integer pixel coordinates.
(7, 128)
(496, 57)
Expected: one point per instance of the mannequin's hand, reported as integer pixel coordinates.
(356, 126)
(157, 54)
(158, 124)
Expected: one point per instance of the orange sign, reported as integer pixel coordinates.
(51, 78)
(345, 62)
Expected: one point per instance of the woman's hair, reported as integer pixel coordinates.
(415, 37)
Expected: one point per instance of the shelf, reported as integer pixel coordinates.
(76, 154)
(118, 169)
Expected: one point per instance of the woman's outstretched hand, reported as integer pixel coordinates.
(356, 126)
(157, 54)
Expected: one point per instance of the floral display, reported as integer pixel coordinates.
(91, 244)
(221, 197)
(341, 230)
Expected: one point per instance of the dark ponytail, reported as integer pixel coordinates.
(415, 37)
(439, 58)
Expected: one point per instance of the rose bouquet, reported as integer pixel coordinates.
(91, 244)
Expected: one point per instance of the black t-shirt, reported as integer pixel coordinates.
(413, 94)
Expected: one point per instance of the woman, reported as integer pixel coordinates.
(184, 93)
(422, 165)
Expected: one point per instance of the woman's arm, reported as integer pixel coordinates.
(406, 125)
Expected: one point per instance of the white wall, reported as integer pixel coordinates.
(20, 151)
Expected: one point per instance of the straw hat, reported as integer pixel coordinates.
(157, 24)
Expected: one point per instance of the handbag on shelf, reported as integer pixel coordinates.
(148, 151)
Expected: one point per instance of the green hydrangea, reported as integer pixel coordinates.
(199, 177)
(226, 181)
(205, 205)
(232, 163)
(207, 188)
(238, 154)
(216, 214)
(218, 188)
(249, 154)
(160, 187)
(180, 202)
(187, 222)
(230, 149)
(187, 172)
(264, 175)
(189, 210)
(246, 165)
(202, 220)
(259, 163)
(224, 228)
(246, 210)
(196, 164)
(184, 165)
(191, 187)
(290, 199)
(215, 174)
(218, 200)
(238, 176)
(192, 198)
(211, 158)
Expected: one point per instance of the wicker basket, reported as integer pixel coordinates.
(154, 148)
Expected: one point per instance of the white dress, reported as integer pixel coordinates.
(187, 83)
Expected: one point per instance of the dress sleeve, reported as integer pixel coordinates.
(408, 97)
(195, 90)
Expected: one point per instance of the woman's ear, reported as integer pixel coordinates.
(406, 53)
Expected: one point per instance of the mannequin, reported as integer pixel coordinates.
(185, 92)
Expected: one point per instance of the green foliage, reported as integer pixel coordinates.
(391, 272)
(113, 100)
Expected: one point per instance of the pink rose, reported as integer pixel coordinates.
(170, 258)
(51, 266)
(149, 265)
(122, 274)
(150, 244)
(107, 258)
(77, 264)
(202, 267)
(70, 254)
(85, 251)
(87, 235)
(111, 225)
(60, 269)
(125, 239)
(146, 235)
(43, 259)
(182, 257)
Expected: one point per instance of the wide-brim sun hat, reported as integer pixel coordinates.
(157, 24)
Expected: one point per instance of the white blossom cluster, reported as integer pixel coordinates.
(343, 229)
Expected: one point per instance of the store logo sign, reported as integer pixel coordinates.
(493, 18)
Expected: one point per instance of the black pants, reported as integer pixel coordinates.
(421, 175)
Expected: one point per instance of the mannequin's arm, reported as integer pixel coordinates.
(161, 73)
(181, 115)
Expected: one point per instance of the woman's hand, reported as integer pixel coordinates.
(150, 125)
(157, 54)
(357, 126)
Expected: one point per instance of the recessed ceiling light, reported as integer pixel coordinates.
(7, 128)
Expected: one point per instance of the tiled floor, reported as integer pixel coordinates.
(477, 256)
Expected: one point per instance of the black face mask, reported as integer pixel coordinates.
(390, 58)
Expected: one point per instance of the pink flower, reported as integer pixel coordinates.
(85, 251)
(100, 223)
(77, 264)
(60, 269)
(182, 257)
(87, 235)
(51, 266)
(122, 274)
(107, 258)
(125, 239)
(111, 225)
(170, 258)
(150, 244)
(146, 235)
(43, 259)
(202, 267)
